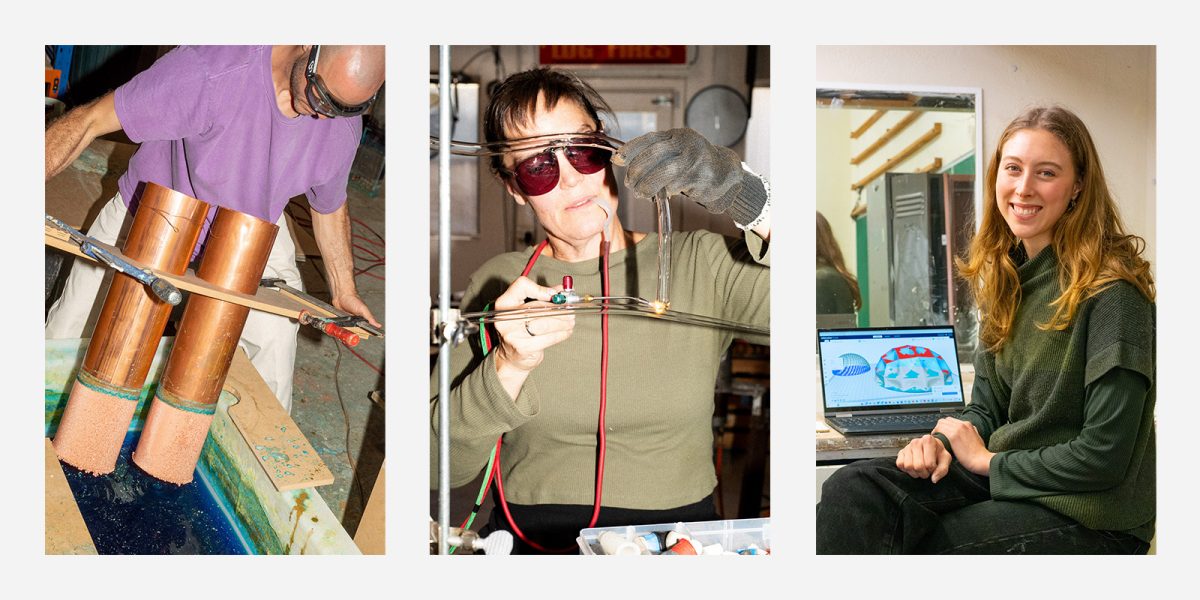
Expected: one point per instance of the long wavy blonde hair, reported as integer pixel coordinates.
(1089, 239)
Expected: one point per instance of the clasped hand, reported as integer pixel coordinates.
(523, 341)
(926, 457)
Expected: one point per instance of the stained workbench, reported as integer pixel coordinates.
(833, 447)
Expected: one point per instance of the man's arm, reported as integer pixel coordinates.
(68, 136)
(332, 232)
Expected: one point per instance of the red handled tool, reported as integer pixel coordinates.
(333, 327)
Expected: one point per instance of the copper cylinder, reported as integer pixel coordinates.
(130, 324)
(234, 258)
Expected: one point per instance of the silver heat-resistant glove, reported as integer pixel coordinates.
(680, 162)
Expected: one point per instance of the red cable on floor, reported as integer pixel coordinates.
(367, 227)
(369, 363)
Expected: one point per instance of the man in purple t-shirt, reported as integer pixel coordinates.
(247, 128)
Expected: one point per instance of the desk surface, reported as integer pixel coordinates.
(833, 446)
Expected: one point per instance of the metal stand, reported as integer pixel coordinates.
(444, 301)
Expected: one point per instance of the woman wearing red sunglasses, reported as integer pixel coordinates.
(542, 385)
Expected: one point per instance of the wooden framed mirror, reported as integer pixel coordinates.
(898, 182)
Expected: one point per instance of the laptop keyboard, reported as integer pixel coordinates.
(909, 422)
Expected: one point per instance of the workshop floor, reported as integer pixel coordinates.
(332, 399)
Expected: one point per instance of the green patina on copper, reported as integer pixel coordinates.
(91, 382)
(184, 404)
(64, 360)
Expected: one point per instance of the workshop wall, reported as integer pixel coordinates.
(834, 198)
(1112, 88)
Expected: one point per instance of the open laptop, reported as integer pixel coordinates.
(889, 379)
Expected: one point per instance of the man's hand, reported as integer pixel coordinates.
(925, 458)
(968, 446)
(353, 304)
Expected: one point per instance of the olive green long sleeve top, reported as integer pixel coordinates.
(660, 387)
(1070, 414)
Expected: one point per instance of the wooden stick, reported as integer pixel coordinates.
(931, 167)
(875, 116)
(887, 136)
(895, 160)
(266, 300)
(870, 102)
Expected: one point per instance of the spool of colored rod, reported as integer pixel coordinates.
(130, 324)
(235, 256)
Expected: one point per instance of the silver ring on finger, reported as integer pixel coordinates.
(528, 330)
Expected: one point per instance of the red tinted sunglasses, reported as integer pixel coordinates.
(539, 173)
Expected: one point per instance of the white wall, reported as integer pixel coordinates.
(1112, 88)
(834, 198)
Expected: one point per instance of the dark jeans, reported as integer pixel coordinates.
(555, 526)
(872, 507)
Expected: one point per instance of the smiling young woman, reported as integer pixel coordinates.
(1048, 188)
(1056, 452)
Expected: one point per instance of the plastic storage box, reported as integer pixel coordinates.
(732, 535)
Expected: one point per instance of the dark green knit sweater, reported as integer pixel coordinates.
(834, 296)
(1070, 413)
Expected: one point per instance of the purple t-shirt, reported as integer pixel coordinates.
(209, 127)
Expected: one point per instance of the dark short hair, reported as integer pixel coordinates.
(514, 101)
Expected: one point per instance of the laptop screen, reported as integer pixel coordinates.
(889, 368)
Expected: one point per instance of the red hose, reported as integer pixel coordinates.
(602, 443)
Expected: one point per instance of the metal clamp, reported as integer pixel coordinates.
(161, 288)
(341, 320)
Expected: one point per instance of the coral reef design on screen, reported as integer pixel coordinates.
(912, 369)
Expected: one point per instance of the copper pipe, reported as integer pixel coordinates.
(164, 231)
(130, 324)
(234, 258)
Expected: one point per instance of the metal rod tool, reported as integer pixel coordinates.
(339, 319)
(333, 327)
(162, 288)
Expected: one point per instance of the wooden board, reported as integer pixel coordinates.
(266, 300)
(372, 534)
(284, 453)
(875, 116)
(66, 533)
